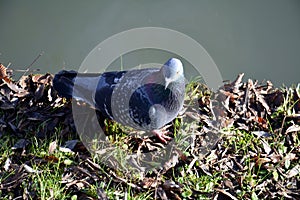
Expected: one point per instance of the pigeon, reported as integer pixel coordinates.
(144, 99)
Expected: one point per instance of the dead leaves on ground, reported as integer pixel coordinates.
(256, 157)
(259, 152)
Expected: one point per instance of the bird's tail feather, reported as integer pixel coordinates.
(63, 83)
(80, 86)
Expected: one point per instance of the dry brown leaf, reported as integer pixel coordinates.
(293, 172)
(293, 128)
(228, 183)
(52, 147)
(149, 183)
(266, 146)
(30, 169)
(262, 134)
(21, 144)
(261, 161)
(38, 94)
(4, 73)
(7, 164)
(52, 159)
(275, 158)
(71, 144)
(162, 194)
(170, 185)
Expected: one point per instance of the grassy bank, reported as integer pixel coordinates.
(242, 142)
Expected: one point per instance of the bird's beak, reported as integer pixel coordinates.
(167, 83)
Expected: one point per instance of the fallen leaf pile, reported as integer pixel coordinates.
(260, 147)
(242, 142)
(250, 106)
(31, 106)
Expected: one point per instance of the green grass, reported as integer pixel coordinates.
(239, 164)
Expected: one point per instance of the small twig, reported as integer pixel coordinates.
(125, 181)
(28, 68)
(226, 193)
(7, 66)
(191, 165)
(282, 124)
(156, 187)
(13, 183)
(25, 70)
(246, 99)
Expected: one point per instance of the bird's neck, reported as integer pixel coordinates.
(155, 77)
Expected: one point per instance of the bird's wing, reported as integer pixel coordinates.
(105, 87)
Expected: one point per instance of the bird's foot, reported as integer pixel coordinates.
(162, 134)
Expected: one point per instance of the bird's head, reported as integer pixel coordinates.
(172, 70)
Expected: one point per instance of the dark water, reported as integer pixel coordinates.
(260, 38)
